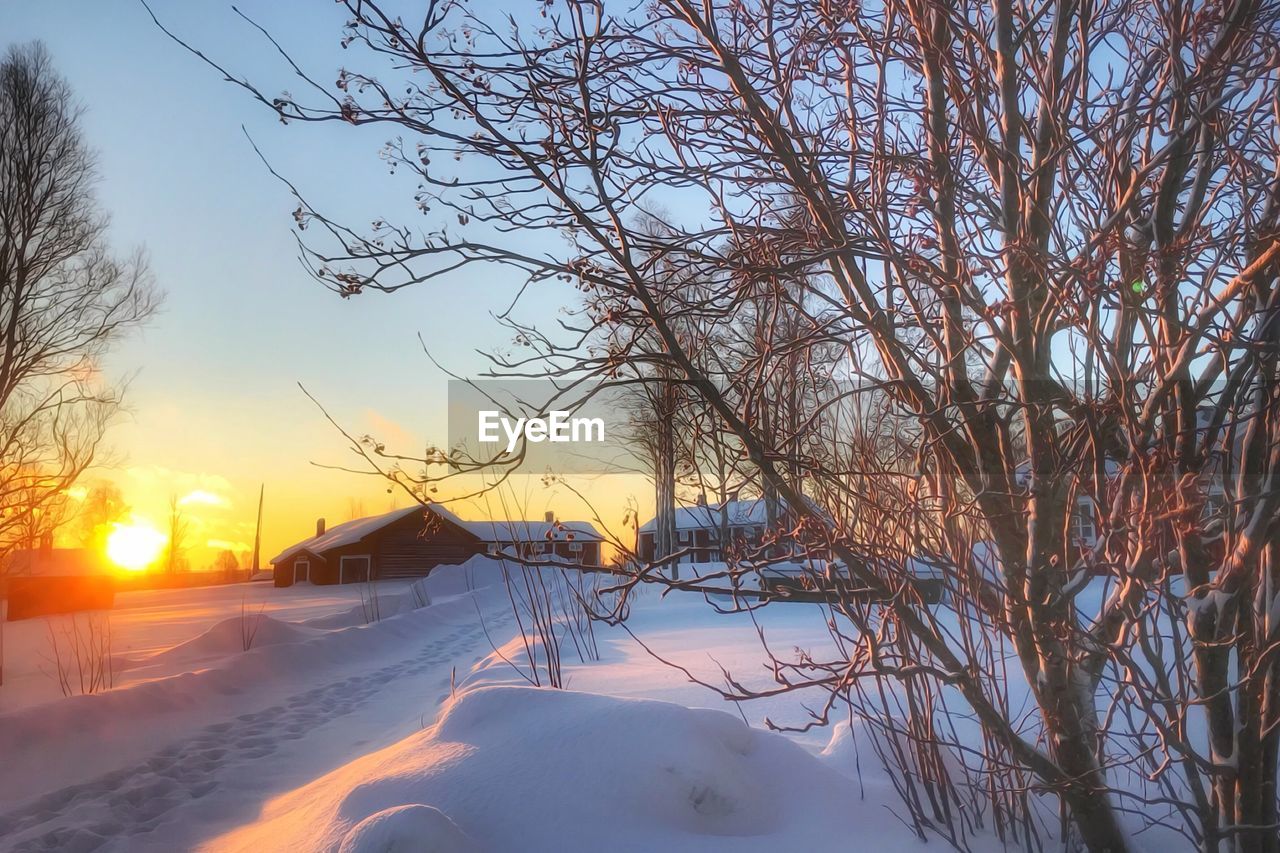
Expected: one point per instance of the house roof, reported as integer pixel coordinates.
(510, 532)
(740, 513)
(501, 532)
(347, 533)
(58, 562)
(1022, 471)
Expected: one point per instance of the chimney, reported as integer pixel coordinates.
(46, 544)
(550, 517)
(319, 526)
(702, 499)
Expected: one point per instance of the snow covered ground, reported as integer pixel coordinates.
(151, 621)
(632, 757)
(414, 733)
(208, 730)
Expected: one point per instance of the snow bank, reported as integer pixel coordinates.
(407, 829)
(374, 606)
(479, 572)
(232, 635)
(518, 768)
(476, 573)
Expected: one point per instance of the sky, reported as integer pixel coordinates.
(214, 408)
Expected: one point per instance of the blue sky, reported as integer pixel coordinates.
(213, 398)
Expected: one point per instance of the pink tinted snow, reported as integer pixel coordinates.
(413, 733)
(518, 768)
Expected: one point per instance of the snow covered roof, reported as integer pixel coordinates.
(347, 533)
(501, 532)
(1022, 471)
(504, 532)
(57, 562)
(740, 513)
(983, 560)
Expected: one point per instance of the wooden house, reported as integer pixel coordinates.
(46, 580)
(410, 542)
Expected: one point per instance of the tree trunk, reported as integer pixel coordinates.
(665, 483)
(1086, 796)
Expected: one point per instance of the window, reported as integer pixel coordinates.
(1084, 530)
(575, 547)
(684, 537)
(354, 569)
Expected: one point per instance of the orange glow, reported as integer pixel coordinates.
(135, 545)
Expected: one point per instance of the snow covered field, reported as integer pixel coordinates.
(151, 621)
(413, 733)
(200, 731)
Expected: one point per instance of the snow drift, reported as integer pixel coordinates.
(478, 572)
(519, 768)
(232, 635)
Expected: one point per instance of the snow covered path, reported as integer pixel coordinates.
(219, 773)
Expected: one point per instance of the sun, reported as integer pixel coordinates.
(135, 545)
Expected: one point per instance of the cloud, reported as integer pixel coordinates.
(160, 478)
(392, 434)
(227, 545)
(203, 497)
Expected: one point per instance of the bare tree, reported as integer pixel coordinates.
(227, 564)
(80, 651)
(49, 515)
(653, 426)
(63, 298)
(103, 505)
(1044, 238)
(178, 528)
(355, 509)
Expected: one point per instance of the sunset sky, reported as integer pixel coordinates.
(213, 398)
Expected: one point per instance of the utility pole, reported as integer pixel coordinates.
(257, 533)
